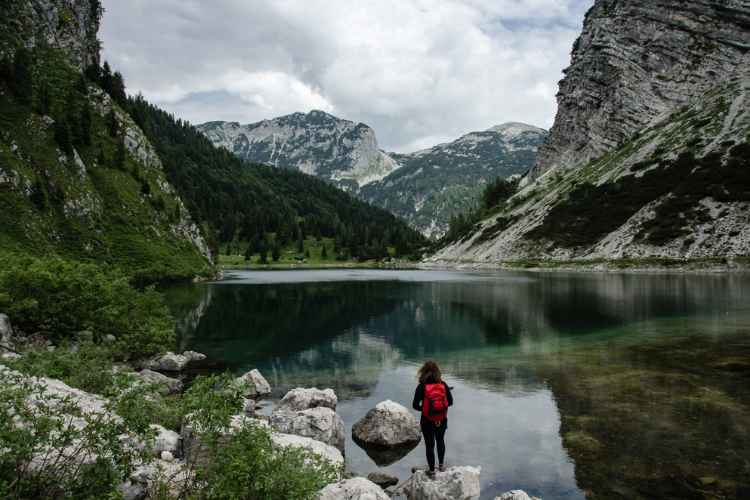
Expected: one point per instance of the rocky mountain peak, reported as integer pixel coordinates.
(317, 143)
(638, 60)
(512, 130)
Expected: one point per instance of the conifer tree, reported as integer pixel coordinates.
(120, 154)
(84, 123)
(62, 136)
(22, 76)
(105, 78)
(324, 253)
(117, 89)
(112, 126)
(44, 100)
(276, 252)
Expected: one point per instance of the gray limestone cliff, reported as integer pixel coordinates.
(635, 61)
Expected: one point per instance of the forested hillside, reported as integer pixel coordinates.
(242, 204)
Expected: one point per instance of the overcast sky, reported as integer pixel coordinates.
(419, 72)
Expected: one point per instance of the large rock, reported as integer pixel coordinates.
(357, 488)
(516, 495)
(387, 425)
(171, 362)
(324, 451)
(165, 440)
(254, 385)
(322, 424)
(167, 385)
(456, 483)
(302, 399)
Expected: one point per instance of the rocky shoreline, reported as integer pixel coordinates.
(305, 418)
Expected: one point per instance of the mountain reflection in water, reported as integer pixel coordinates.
(606, 385)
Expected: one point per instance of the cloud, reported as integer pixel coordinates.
(415, 70)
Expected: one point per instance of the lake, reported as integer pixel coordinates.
(566, 385)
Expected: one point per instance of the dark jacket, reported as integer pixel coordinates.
(419, 397)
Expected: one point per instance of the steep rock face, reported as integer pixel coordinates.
(677, 187)
(437, 183)
(316, 143)
(71, 26)
(635, 61)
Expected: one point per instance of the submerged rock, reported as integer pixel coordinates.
(167, 385)
(516, 495)
(382, 479)
(389, 424)
(303, 399)
(456, 483)
(253, 384)
(318, 423)
(357, 488)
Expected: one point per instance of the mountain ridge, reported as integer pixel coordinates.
(425, 187)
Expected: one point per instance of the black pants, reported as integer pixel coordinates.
(434, 434)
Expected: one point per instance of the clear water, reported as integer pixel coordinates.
(566, 385)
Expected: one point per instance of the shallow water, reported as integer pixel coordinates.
(566, 384)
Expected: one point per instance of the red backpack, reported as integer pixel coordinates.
(435, 404)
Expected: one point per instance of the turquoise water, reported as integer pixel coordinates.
(551, 371)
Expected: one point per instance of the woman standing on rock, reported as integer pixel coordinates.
(432, 398)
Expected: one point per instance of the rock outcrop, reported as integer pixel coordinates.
(171, 362)
(302, 399)
(357, 488)
(456, 483)
(320, 423)
(70, 26)
(253, 384)
(636, 61)
(389, 424)
(166, 385)
(6, 331)
(382, 479)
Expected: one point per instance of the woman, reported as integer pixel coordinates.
(432, 398)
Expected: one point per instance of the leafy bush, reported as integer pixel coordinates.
(52, 450)
(247, 465)
(59, 298)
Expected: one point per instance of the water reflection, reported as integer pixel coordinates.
(601, 368)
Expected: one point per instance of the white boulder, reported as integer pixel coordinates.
(302, 399)
(165, 440)
(389, 424)
(456, 483)
(320, 449)
(357, 488)
(322, 424)
(253, 384)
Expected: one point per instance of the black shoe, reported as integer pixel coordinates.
(431, 474)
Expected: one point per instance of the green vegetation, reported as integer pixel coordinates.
(590, 212)
(70, 187)
(57, 299)
(494, 197)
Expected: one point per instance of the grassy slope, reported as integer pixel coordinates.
(97, 212)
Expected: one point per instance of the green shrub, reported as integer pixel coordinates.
(46, 453)
(247, 465)
(59, 298)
